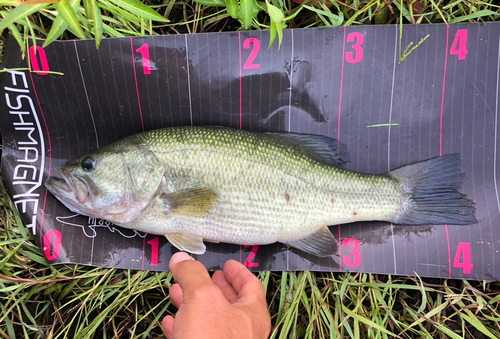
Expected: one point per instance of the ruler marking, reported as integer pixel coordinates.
(136, 84)
(338, 129)
(389, 135)
(441, 136)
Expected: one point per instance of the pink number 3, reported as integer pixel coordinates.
(355, 260)
(350, 56)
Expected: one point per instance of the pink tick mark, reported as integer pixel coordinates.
(287, 197)
(355, 213)
(333, 200)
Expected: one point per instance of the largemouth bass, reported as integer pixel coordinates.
(216, 184)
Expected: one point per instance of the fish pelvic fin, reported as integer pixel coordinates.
(434, 199)
(321, 243)
(191, 243)
(189, 202)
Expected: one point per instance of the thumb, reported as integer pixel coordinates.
(191, 275)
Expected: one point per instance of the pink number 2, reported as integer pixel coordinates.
(249, 262)
(146, 64)
(253, 54)
(461, 41)
(350, 56)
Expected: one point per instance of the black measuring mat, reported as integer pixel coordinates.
(346, 83)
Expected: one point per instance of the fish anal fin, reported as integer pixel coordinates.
(321, 243)
(191, 243)
(189, 202)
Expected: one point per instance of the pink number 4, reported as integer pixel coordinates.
(459, 45)
(463, 251)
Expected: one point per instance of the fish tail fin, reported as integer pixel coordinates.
(434, 197)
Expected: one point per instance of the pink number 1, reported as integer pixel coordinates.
(146, 64)
(154, 251)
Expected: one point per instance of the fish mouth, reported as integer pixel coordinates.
(68, 187)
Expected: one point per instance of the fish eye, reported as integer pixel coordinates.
(88, 163)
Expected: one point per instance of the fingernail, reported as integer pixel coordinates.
(180, 256)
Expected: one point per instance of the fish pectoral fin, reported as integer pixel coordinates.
(190, 202)
(321, 243)
(191, 243)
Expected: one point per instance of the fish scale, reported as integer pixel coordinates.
(225, 185)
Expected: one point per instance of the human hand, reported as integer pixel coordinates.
(230, 305)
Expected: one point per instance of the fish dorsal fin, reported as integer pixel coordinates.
(321, 243)
(189, 202)
(191, 243)
(318, 147)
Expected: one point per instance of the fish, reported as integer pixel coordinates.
(196, 184)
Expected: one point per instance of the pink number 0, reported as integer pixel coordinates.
(356, 47)
(356, 259)
(253, 54)
(52, 243)
(39, 52)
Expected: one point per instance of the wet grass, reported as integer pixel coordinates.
(67, 301)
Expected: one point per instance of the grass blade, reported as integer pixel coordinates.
(139, 9)
(67, 13)
(246, 11)
(60, 25)
(19, 13)
(211, 3)
(95, 10)
(232, 8)
(17, 36)
(476, 15)
(366, 321)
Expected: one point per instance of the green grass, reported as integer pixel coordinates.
(40, 301)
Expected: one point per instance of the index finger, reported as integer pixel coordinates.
(246, 285)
